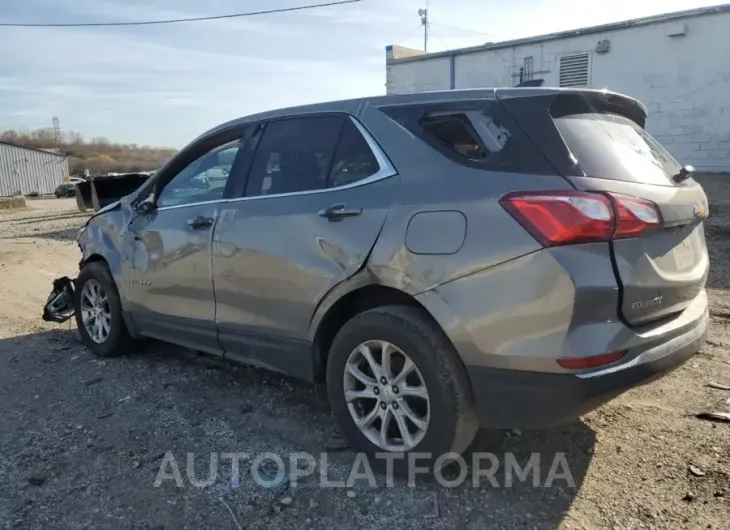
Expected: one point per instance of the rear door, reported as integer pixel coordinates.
(317, 194)
(598, 142)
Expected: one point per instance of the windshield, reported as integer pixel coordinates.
(614, 147)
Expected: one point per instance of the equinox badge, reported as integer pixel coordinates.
(647, 303)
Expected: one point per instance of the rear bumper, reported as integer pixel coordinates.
(523, 399)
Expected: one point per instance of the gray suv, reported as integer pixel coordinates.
(444, 260)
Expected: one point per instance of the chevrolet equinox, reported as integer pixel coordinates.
(497, 257)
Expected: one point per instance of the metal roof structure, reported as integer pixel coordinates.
(3, 142)
(613, 26)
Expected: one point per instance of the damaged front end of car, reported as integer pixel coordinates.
(59, 305)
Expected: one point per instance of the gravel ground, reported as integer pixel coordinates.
(82, 440)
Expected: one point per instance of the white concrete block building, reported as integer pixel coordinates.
(677, 64)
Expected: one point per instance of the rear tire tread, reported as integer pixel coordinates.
(436, 359)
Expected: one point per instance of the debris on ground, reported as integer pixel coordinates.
(37, 479)
(714, 416)
(697, 472)
(718, 386)
(235, 521)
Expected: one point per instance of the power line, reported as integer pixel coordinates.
(438, 39)
(176, 20)
(416, 30)
(462, 29)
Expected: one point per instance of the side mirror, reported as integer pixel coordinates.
(145, 208)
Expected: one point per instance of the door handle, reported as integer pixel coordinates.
(200, 222)
(339, 211)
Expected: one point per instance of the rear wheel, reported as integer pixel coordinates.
(98, 312)
(396, 385)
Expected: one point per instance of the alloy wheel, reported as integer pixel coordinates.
(95, 311)
(386, 396)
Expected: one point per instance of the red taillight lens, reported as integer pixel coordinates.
(571, 217)
(565, 217)
(635, 215)
(591, 362)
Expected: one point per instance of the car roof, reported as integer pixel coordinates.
(355, 106)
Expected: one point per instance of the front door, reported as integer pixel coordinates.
(170, 279)
(316, 198)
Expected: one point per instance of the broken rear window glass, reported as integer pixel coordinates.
(455, 132)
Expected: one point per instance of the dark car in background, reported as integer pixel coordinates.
(67, 189)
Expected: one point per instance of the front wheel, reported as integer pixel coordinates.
(396, 385)
(98, 312)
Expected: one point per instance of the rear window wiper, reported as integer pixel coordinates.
(683, 174)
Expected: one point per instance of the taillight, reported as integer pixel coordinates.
(561, 218)
(635, 215)
(571, 217)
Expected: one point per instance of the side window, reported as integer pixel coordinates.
(477, 133)
(294, 155)
(456, 133)
(353, 158)
(202, 180)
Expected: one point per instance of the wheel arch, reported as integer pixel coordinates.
(98, 257)
(94, 258)
(346, 302)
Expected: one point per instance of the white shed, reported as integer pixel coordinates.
(677, 64)
(30, 171)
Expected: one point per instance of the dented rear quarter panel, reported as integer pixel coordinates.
(434, 183)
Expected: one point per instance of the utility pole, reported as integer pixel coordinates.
(423, 13)
(57, 132)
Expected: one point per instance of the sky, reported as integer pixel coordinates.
(165, 85)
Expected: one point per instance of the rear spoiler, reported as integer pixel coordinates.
(562, 101)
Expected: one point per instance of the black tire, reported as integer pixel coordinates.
(118, 341)
(453, 420)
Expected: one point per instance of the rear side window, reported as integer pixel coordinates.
(477, 133)
(354, 160)
(456, 133)
(614, 147)
(294, 155)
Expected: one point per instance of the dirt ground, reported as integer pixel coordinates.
(82, 440)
